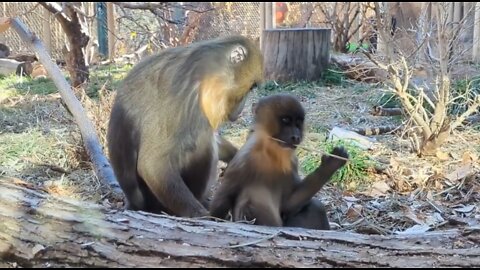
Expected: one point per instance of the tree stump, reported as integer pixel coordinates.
(296, 54)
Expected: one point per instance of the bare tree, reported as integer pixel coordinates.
(72, 18)
(343, 18)
(162, 24)
(426, 105)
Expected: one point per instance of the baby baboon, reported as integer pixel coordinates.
(262, 182)
(161, 133)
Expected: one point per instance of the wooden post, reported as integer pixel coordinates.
(102, 28)
(111, 30)
(274, 14)
(450, 12)
(476, 34)
(267, 18)
(457, 11)
(268, 15)
(381, 43)
(296, 54)
(47, 30)
(262, 23)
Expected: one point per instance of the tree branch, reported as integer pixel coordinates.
(156, 5)
(57, 11)
(92, 145)
(472, 109)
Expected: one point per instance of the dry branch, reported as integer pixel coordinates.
(40, 230)
(90, 139)
(380, 111)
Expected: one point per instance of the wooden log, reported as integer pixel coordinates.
(296, 54)
(10, 66)
(39, 230)
(24, 57)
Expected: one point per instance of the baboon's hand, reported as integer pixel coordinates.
(334, 163)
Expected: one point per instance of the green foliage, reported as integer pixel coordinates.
(14, 85)
(108, 75)
(333, 76)
(389, 100)
(353, 47)
(354, 173)
(32, 144)
(463, 92)
(330, 77)
(112, 75)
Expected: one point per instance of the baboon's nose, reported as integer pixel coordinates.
(295, 139)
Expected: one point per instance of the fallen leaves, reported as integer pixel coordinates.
(379, 188)
(461, 172)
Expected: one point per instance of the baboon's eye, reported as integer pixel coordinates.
(286, 120)
(253, 86)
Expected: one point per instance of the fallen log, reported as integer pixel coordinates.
(23, 57)
(358, 68)
(40, 230)
(10, 66)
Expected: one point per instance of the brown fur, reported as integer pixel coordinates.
(39, 71)
(262, 181)
(161, 132)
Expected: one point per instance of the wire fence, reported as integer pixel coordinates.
(134, 28)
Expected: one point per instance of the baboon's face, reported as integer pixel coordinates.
(282, 117)
(240, 105)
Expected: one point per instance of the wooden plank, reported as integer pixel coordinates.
(111, 30)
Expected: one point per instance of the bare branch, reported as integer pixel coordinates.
(57, 11)
(90, 139)
(471, 110)
(157, 5)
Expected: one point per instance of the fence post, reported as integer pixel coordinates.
(111, 30)
(476, 34)
(47, 30)
(102, 28)
(262, 22)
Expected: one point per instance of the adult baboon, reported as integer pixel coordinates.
(161, 133)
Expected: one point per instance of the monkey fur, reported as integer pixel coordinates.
(262, 182)
(161, 136)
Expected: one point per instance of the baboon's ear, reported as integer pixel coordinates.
(238, 54)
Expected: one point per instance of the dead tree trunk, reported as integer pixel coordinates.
(39, 230)
(74, 24)
(296, 54)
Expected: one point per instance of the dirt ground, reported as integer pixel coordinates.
(40, 143)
